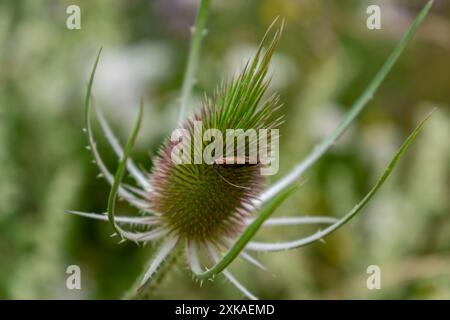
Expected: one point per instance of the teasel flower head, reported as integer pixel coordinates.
(213, 209)
(209, 202)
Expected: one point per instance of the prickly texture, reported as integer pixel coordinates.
(207, 202)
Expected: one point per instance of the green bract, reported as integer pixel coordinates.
(207, 202)
(205, 208)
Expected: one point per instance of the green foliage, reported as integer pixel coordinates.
(319, 68)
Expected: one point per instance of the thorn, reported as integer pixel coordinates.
(113, 235)
(205, 32)
(122, 241)
(88, 147)
(322, 240)
(94, 162)
(100, 175)
(84, 130)
(192, 29)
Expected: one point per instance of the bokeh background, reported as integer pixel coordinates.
(324, 61)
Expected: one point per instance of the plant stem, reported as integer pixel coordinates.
(193, 59)
(148, 290)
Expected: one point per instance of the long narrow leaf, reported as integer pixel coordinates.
(354, 111)
(282, 189)
(357, 208)
(121, 170)
(254, 227)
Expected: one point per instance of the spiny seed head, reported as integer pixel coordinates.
(210, 201)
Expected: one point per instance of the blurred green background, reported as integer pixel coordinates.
(325, 59)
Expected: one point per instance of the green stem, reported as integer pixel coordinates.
(148, 291)
(193, 59)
